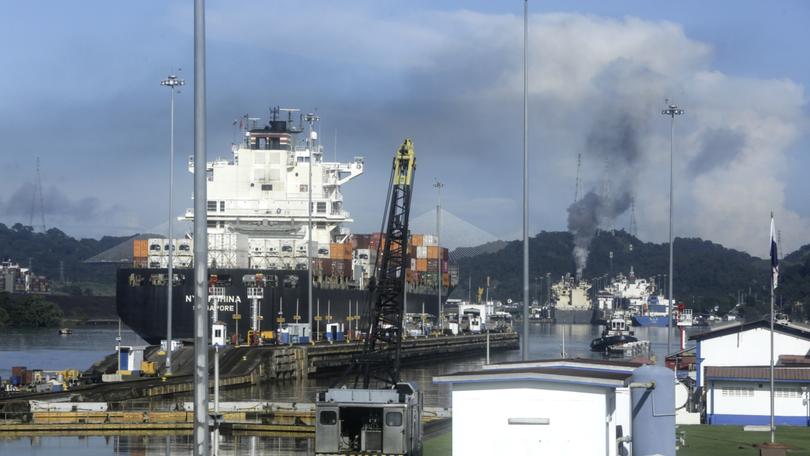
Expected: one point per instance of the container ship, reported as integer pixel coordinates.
(258, 245)
(571, 302)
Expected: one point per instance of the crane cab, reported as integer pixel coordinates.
(369, 421)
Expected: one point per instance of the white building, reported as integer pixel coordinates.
(741, 395)
(543, 407)
(733, 372)
(748, 345)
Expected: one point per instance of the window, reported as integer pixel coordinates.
(218, 333)
(788, 392)
(303, 188)
(212, 206)
(737, 391)
(328, 417)
(267, 187)
(393, 419)
(222, 206)
(321, 207)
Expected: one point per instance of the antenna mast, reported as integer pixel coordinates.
(36, 196)
(633, 227)
(578, 189)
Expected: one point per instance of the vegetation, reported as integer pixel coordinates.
(49, 252)
(28, 311)
(440, 445)
(706, 274)
(733, 441)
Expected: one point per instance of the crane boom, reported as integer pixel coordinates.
(380, 359)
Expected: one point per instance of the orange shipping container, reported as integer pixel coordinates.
(421, 264)
(434, 252)
(417, 239)
(340, 251)
(139, 248)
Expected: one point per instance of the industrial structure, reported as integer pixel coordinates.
(385, 419)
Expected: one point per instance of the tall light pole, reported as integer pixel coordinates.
(672, 110)
(312, 144)
(438, 185)
(173, 83)
(201, 436)
(525, 350)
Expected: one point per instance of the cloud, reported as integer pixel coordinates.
(25, 205)
(452, 80)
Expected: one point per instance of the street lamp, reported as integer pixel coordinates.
(672, 110)
(174, 83)
(438, 185)
(311, 146)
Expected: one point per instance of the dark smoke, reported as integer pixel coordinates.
(614, 141)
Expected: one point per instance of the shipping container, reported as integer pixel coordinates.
(340, 251)
(429, 240)
(422, 252)
(434, 252)
(417, 240)
(18, 370)
(140, 248)
(421, 264)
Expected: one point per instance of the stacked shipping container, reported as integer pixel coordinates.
(352, 260)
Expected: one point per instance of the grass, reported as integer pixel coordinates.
(700, 440)
(732, 440)
(441, 445)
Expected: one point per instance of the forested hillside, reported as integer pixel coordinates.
(705, 274)
(45, 251)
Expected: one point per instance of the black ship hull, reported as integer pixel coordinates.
(141, 301)
(602, 344)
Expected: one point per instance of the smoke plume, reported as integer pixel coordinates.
(614, 141)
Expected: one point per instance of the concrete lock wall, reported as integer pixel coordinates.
(748, 348)
(576, 419)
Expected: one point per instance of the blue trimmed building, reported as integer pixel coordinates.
(741, 395)
(733, 373)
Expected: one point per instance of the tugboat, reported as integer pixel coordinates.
(616, 332)
(65, 331)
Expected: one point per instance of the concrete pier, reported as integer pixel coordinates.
(251, 365)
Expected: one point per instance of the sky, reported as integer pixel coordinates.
(80, 90)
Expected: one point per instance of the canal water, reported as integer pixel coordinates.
(45, 349)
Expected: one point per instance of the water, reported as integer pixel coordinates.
(47, 350)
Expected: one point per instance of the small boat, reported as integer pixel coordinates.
(615, 333)
(65, 331)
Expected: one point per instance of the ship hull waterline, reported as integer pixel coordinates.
(141, 305)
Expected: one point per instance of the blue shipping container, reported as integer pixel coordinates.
(16, 380)
(284, 338)
(303, 340)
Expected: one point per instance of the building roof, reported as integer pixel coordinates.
(785, 328)
(603, 378)
(573, 363)
(757, 373)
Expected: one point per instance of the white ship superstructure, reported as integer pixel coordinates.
(257, 200)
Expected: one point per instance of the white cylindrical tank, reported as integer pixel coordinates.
(653, 406)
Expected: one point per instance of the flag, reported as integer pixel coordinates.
(774, 255)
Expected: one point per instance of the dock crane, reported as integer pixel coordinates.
(386, 419)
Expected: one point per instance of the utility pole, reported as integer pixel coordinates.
(312, 144)
(201, 435)
(438, 185)
(173, 83)
(672, 110)
(525, 351)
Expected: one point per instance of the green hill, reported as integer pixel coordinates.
(706, 274)
(47, 252)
